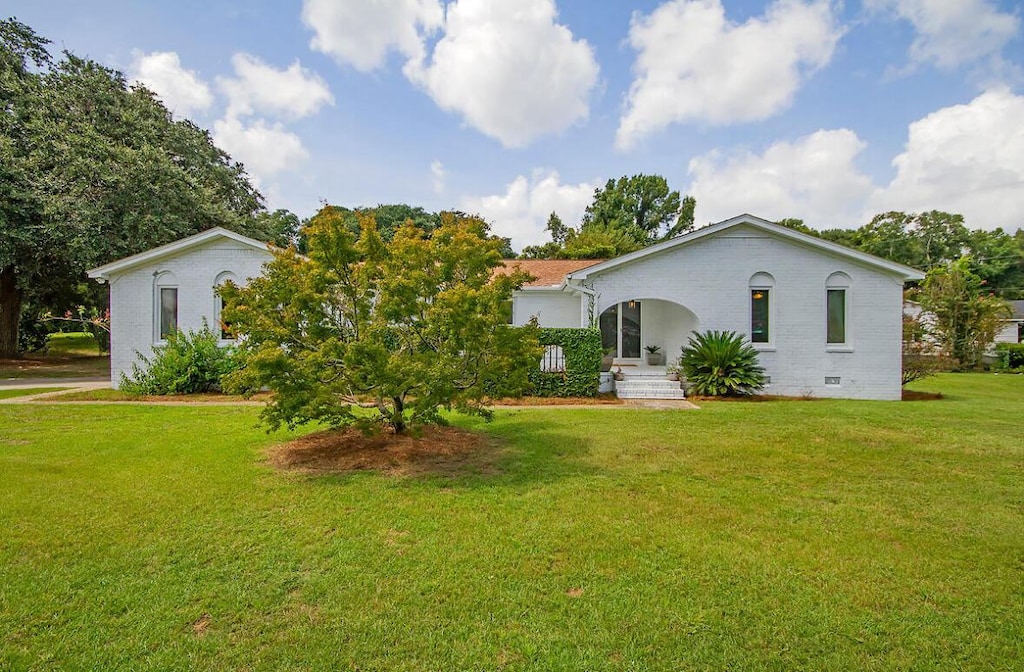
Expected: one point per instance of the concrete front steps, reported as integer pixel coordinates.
(647, 383)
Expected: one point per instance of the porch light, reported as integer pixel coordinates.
(632, 304)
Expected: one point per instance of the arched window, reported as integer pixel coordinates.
(837, 309)
(762, 286)
(165, 300)
(222, 328)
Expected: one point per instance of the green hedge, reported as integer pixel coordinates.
(582, 375)
(1011, 355)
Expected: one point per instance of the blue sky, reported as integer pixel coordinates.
(830, 112)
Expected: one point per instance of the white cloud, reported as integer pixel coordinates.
(693, 64)
(437, 172)
(181, 90)
(361, 34)
(952, 32)
(967, 159)
(294, 92)
(265, 149)
(522, 211)
(509, 69)
(813, 179)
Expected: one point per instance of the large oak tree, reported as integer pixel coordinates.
(93, 169)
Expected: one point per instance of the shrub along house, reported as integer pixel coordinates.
(173, 287)
(826, 319)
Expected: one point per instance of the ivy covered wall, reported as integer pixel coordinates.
(582, 351)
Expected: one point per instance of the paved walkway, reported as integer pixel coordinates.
(67, 386)
(27, 383)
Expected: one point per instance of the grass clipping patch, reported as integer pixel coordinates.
(446, 451)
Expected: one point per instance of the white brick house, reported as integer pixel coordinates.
(826, 319)
(172, 287)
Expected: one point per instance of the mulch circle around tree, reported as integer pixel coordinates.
(433, 450)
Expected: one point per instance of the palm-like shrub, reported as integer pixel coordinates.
(721, 363)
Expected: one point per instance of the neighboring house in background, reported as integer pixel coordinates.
(172, 287)
(1013, 329)
(826, 319)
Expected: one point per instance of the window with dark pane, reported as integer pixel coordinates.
(759, 315)
(631, 329)
(168, 311)
(609, 324)
(836, 316)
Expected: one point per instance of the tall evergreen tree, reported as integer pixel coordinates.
(93, 169)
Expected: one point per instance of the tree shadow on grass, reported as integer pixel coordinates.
(515, 454)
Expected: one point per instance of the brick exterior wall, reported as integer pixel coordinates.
(711, 276)
(133, 296)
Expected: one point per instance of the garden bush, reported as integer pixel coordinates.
(188, 363)
(1011, 356)
(721, 363)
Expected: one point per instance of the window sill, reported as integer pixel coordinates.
(838, 348)
(763, 347)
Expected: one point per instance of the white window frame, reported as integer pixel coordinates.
(840, 281)
(164, 280)
(765, 282)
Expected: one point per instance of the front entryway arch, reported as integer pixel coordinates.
(629, 327)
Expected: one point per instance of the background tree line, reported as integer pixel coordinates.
(935, 239)
(625, 215)
(93, 169)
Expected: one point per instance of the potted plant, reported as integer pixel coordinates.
(675, 373)
(654, 356)
(608, 359)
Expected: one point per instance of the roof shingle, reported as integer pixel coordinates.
(548, 272)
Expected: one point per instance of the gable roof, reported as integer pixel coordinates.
(548, 272)
(104, 272)
(905, 272)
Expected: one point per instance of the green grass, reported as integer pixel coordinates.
(108, 394)
(9, 394)
(73, 343)
(777, 535)
(73, 355)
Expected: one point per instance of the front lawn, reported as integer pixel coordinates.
(783, 534)
(71, 355)
(72, 343)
